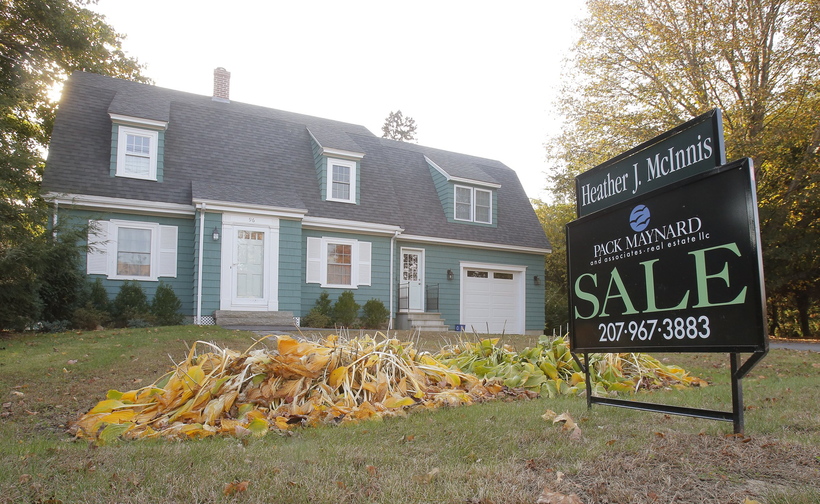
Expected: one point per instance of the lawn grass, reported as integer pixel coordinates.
(494, 452)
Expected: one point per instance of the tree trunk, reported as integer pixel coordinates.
(802, 301)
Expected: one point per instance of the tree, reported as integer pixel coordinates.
(553, 217)
(641, 67)
(398, 127)
(41, 43)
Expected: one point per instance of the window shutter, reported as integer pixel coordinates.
(167, 251)
(314, 260)
(364, 262)
(97, 255)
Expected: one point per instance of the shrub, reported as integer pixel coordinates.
(375, 314)
(98, 297)
(165, 306)
(130, 304)
(323, 305)
(345, 310)
(315, 318)
(89, 318)
(61, 279)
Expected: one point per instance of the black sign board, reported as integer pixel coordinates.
(693, 147)
(678, 269)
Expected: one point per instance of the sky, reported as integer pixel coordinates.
(478, 77)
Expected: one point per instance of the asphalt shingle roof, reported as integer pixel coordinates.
(246, 154)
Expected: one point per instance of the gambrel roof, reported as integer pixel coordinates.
(246, 154)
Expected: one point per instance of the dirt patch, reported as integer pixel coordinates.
(681, 468)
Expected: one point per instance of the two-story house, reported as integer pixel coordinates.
(242, 208)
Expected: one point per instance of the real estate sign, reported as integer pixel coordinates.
(675, 269)
(693, 147)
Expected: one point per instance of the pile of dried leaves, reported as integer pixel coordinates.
(222, 391)
(299, 383)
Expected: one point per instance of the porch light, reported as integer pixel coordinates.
(216, 234)
(536, 280)
(449, 274)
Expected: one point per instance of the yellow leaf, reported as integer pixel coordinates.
(549, 415)
(106, 406)
(397, 402)
(258, 427)
(116, 417)
(337, 376)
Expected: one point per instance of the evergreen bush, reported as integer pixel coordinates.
(345, 310)
(316, 319)
(165, 306)
(375, 314)
(131, 304)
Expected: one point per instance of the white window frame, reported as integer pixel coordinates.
(102, 258)
(360, 259)
(473, 215)
(489, 207)
(351, 165)
(122, 142)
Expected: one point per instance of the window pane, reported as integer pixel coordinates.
(482, 206)
(137, 165)
(138, 144)
(339, 261)
(341, 182)
(464, 203)
(134, 252)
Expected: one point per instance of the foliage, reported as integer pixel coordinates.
(130, 304)
(398, 127)
(321, 313)
(323, 305)
(305, 382)
(98, 296)
(315, 318)
(40, 280)
(345, 309)
(375, 314)
(757, 61)
(20, 304)
(165, 306)
(549, 369)
(41, 43)
(61, 279)
(554, 217)
(301, 382)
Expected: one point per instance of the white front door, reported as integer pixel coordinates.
(249, 267)
(249, 263)
(412, 278)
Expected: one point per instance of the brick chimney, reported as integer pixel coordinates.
(222, 85)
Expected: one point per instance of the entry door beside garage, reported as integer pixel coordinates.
(492, 300)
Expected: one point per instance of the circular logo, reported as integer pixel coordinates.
(639, 218)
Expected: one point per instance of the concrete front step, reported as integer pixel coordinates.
(429, 321)
(227, 318)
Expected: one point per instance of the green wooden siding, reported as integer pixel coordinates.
(212, 252)
(185, 253)
(291, 264)
(379, 272)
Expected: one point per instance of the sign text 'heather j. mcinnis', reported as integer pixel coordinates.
(693, 147)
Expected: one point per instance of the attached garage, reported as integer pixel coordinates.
(492, 298)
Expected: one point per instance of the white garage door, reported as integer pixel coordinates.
(492, 300)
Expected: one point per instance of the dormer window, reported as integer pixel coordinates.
(473, 205)
(341, 180)
(137, 153)
(137, 146)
